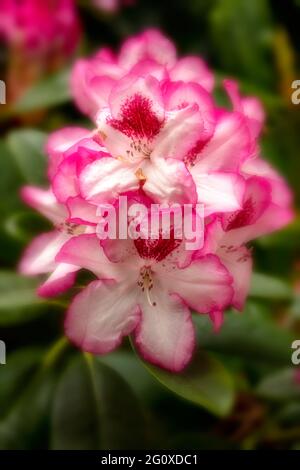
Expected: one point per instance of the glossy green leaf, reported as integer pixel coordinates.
(19, 368)
(280, 385)
(24, 225)
(10, 182)
(51, 91)
(249, 336)
(232, 24)
(128, 366)
(27, 148)
(94, 408)
(19, 302)
(23, 422)
(268, 287)
(205, 382)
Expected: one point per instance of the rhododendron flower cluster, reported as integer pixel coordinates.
(42, 27)
(158, 137)
(39, 36)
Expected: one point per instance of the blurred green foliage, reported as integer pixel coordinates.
(241, 390)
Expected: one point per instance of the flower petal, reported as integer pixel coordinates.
(118, 144)
(219, 192)
(65, 183)
(59, 142)
(180, 134)
(238, 261)
(91, 83)
(190, 118)
(149, 45)
(281, 193)
(81, 211)
(251, 107)
(62, 279)
(131, 86)
(179, 95)
(217, 318)
(105, 179)
(205, 285)
(274, 218)
(44, 202)
(165, 336)
(234, 256)
(168, 181)
(193, 69)
(256, 201)
(86, 252)
(101, 315)
(228, 147)
(39, 256)
(150, 67)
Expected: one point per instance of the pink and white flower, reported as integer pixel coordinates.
(159, 137)
(148, 131)
(169, 139)
(146, 294)
(39, 257)
(147, 54)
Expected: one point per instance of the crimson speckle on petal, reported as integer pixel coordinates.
(137, 119)
(192, 155)
(246, 216)
(156, 249)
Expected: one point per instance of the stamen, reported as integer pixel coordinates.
(70, 228)
(140, 175)
(152, 304)
(102, 135)
(146, 283)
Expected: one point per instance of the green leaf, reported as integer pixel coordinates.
(24, 225)
(18, 300)
(249, 336)
(205, 382)
(94, 408)
(51, 91)
(10, 182)
(232, 23)
(27, 148)
(19, 368)
(287, 237)
(24, 422)
(289, 413)
(128, 366)
(268, 287)
(280, 386)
